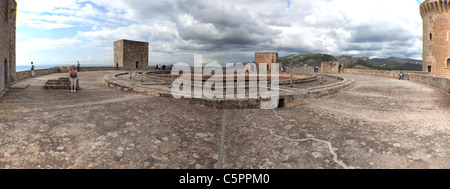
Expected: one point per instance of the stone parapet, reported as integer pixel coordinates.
(439, 82)
(27, 74)
(415, 76)
(60, 69)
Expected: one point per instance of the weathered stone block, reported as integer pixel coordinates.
(61, 83)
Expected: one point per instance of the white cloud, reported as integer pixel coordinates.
(36, 44)
(364, 28)
(26, 50)
(333, 26)
(39, 6)
(57, 14)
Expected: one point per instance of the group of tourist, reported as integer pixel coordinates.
(164, 67)
(316, 69)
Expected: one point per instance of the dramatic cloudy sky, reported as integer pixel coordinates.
(64, 31)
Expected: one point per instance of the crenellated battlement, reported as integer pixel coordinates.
(434, 7)
(436, 37)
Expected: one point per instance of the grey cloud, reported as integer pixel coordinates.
(251, 25)
(362, 46)
(232, 27)
(379, 34)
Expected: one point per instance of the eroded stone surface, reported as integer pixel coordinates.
(378, 123)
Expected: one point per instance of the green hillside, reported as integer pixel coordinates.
(299, 60)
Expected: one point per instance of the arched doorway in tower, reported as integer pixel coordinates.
(341, 69)
(5, 73)
(137, 65)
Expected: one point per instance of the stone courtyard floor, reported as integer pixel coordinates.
(377, 123)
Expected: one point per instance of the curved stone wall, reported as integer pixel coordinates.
(420, 77)
(287, 97)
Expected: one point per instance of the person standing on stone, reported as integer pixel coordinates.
(401, 75)
(78, 66)
(32, 69)
(73, 79)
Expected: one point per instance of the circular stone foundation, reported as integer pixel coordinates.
(292, 90)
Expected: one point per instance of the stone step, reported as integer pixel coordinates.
(61, 83)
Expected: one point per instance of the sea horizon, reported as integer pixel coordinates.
(20, 68)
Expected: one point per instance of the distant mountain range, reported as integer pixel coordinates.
(299, 60)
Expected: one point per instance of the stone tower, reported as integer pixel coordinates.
(436, 37)
(267, 58)
(131, 54)
(7, 43)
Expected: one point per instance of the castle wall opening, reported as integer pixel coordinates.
(7, 12)
(5, 73)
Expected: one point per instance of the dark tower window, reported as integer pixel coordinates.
(5, 72)
(6, 12)
(429, 69)
(431, 36)
(448, 62)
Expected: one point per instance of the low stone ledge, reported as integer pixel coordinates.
(19, 86)
(3, 92)
(415, 76)
(228, 103)
(439, 82)
(111, 81)
(61, 83)
(315, 92)
(310, 78)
